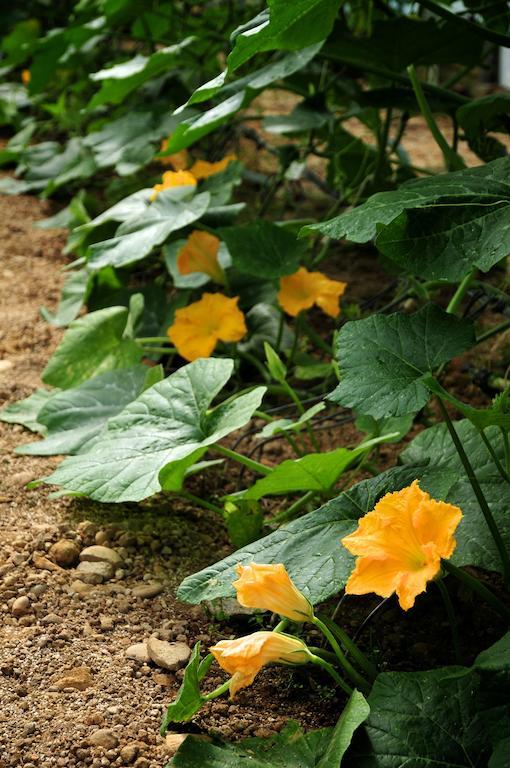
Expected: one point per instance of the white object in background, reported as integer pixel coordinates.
(504, 67)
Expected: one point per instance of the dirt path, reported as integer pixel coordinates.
(69, 694)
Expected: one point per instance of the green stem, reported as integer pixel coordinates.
(452, 619)
(461, 291)
(476, 586)
(153, 340)
(200, 502)
(478, 29)
(159, 350)
(279, 336)
(327, 655)
(332, 671)
(255, 362)
(452, 161)
(493, 331)
(290, 512)
(282, 625)
(355, 676)
(351, 647)
(255, 466)
(314, 336)
(507, 448)
(299, 405)
(482, 501)
(217, 691)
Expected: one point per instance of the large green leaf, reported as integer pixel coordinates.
(495, 658)
(118, 81)
(263, 249)
(309, 547)
(136, 238)
(291, 26)
(291, 748)
(168, 422)
(437, 227)
(74, 417)
(423, 720)
(73, 296)
(91, 345)
(385, 359)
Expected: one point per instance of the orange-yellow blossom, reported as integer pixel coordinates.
(200, 254)
(179, 161)
(202, 169)
(244, 657)
(198, 327)
(400, 543)
(270, 588)
(303, 289)
(174, 179)
(25, 76)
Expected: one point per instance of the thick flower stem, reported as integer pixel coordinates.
(476, 586)
(358, 679)
(461, 291)
(493, 331)
(223, 688)
(255, 466)
(332, 671)
(351, 647)
(475, 485)
(200, 502)
(452, 619)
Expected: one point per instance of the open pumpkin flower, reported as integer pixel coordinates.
(270, 588)
(179, 161)
(174, 179)
(400, 544)
(202, 169)
(303, 289)
(200, 254)
(244, 657)
(198, 327)
(25, 76)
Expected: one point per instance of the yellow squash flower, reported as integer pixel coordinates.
(174, 179)
(25, 76)
(270, 588)
(200, 254)
(179, 161)
(244, 657)
(303, 289)
(400, 543)
(198, 327)
(201, 169)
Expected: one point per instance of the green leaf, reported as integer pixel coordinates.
(244, 521)
(444, 477)
(495, 658)
(309, 547)
(279, 426)
(275, 364)
(118, 81)
(91, 345)
(167, 423)
(499, 758)
(385, 359)
(263, 321)
(313, 472)
(291, 26)
(263, 249)
(74, 417)
(239, 94)
(25, 411)
(73, 296)
(376, 427)
(354, 714)
(489, 113)
(420, 719)
(464, 215)
(189, 699)
(124, 143)
(136, 238)
(291, 748)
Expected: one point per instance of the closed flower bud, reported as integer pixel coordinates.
(270, 588)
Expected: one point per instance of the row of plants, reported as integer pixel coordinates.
(206, 279)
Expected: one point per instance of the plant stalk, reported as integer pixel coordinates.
(476, 586)
(255, 466)
(355, 676)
